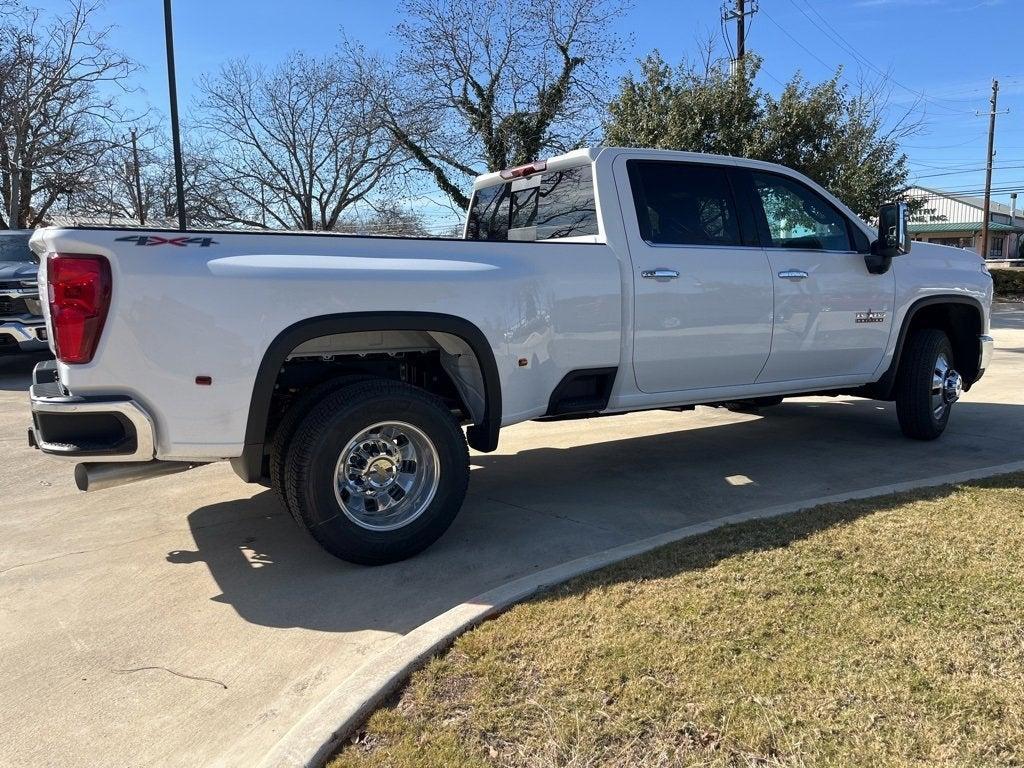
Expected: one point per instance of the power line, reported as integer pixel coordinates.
(966, 170)
(795, 40)
(966, 163)
(945, 146)
(951, 114)
(773, 77)
(842, 42)
(969, 165)
(973, 191)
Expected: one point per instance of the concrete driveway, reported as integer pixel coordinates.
(187, 621)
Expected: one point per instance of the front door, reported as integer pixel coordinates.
(832, 316)
(703, 285)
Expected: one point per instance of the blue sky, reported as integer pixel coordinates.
(947, 50)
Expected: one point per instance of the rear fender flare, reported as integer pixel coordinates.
(482, 436)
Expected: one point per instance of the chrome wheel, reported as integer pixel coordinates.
(386, 476)
(947, 386)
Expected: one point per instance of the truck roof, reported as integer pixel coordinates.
(589, 154)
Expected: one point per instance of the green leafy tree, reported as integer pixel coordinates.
(838, 137)
(698, 109)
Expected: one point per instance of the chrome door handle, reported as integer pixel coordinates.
(793, 274)
(659, 274)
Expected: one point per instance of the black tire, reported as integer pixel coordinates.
(290, 422)
(914, 385)
(312, 457)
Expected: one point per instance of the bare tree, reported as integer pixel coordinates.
(109, 191)
(125, 180)
(485, 84)
(208, 202)
(387, 219)
(55, 119)
(293, 147)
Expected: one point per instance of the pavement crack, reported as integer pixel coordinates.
(44, 560)
(551, 514)
(171, 671)
(84, 551)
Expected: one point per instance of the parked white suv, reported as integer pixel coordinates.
(341, 370)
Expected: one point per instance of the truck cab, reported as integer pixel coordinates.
(740, 278)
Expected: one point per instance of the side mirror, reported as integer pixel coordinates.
(893, 230)
(893, 237)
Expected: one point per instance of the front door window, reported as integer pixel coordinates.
(798, 217)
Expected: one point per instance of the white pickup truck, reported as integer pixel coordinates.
(341, 370)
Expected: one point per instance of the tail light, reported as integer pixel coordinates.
(79, 293)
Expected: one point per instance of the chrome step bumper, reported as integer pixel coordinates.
(86, 428)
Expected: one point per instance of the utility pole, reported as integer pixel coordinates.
(739, 14)
(741, 31)
(138, 179)
(988, 168)
(172, 88)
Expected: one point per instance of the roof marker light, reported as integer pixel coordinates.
(524, 170)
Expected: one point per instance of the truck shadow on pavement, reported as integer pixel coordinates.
(540, 507)
(16, 371)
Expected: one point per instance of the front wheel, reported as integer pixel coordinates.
(927, 385)
(377, 471)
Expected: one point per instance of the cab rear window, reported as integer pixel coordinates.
(554, 204)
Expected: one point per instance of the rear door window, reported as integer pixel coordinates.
(683, 203)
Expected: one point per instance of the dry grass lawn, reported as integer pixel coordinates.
(886, 632)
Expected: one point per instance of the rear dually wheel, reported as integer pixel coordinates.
(376, 471)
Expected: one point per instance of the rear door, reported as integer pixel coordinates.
(832, 316)
(702, 283)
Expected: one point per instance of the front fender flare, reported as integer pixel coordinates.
(882, 389)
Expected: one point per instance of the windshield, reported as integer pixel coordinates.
(14, 246)
(545, 206)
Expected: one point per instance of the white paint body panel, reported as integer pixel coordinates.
(816, 333)
(711, 326)
(178, 313)
(181, 312)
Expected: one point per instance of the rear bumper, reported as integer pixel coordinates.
(23, 335)
(74, 427)
(987, 345)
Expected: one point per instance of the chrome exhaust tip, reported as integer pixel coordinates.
(101, 475)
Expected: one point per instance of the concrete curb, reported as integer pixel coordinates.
(312, 740)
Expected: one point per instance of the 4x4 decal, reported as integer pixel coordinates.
(181, 242)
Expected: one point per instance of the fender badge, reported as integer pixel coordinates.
(869, 317)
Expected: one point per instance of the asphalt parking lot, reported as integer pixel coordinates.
(187, 621)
